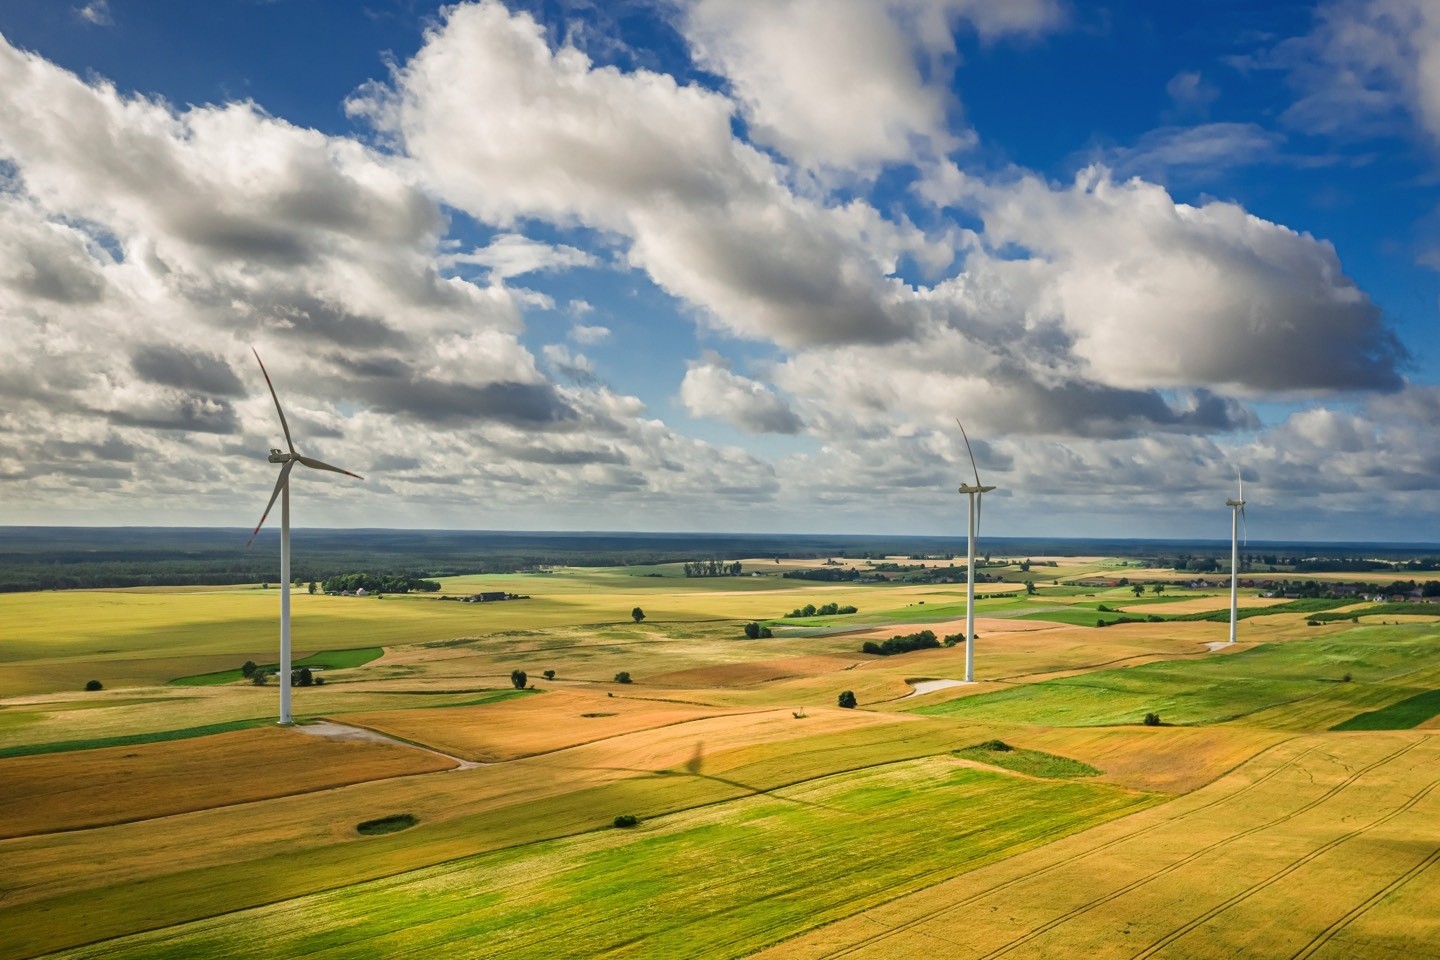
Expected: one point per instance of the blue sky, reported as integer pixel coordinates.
(718, 265)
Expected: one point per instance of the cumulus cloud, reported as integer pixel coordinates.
(505, 127)
(848, 83)
(712, 389)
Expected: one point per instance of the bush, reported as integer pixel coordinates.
(260, 678)
(847, 609)
(549, 674)
(319, 681)
(307, 679)
(847, 700)
(1346, 679)
(954, 638)
(519, 678)
(999, 746)
(623, 677)
(248, 670)
(93, 685)
(765, 633)
(752, 630)
(1152, 719)
(626, 820)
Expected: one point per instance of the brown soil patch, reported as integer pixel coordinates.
(87, 788)
(751, 674)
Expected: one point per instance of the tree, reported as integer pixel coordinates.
(752, 630)
(1158, 588)
(312, 588)
(847, 700)
(1152, 719)
(623, 677)
(248, 670)
(637, 614)
(765, 633)
(549, 674)
(1138, 589)
(1030, 588)
(307, 679)
(260, 678)
(93, 685)
(519, 679)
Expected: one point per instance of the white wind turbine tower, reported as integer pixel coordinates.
(1237, 517)
(282, 490)
(975, 493)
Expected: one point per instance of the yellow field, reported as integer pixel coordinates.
(1280, 858)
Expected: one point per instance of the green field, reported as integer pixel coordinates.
(1218, 689)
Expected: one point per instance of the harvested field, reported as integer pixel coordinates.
(69, 791)
(530, 725)
(755, 672)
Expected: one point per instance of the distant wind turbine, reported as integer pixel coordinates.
(282, 490)
(1237, 518)
(976, 493)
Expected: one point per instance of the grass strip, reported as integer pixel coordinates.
(1034, 763)
(130, 740)
(1402, 715)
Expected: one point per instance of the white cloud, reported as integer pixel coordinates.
(96, 12)
(1366, 63)
(711, 389)
(848, 83)
(590, 334)
(505, 128)
(1200, 151)
(1190, 92)
(512, 255)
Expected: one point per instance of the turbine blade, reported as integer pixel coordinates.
(979, 511)
(974, 468)
(278, 409)
(1244, 528)
(274, 495)
(1240, 482)
(317, 465)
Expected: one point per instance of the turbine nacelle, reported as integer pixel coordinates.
(974, 488)
(1234, 503)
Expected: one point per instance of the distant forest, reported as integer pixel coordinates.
(53, 558)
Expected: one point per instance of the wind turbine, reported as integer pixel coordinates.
(282, 490)
(975, 492)
(1237, 516)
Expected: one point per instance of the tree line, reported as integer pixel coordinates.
(712, 568)
(373, 583)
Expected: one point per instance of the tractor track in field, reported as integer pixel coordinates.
(1192, 857)
(1286, 871)
(1326, 935)
(940, 911)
